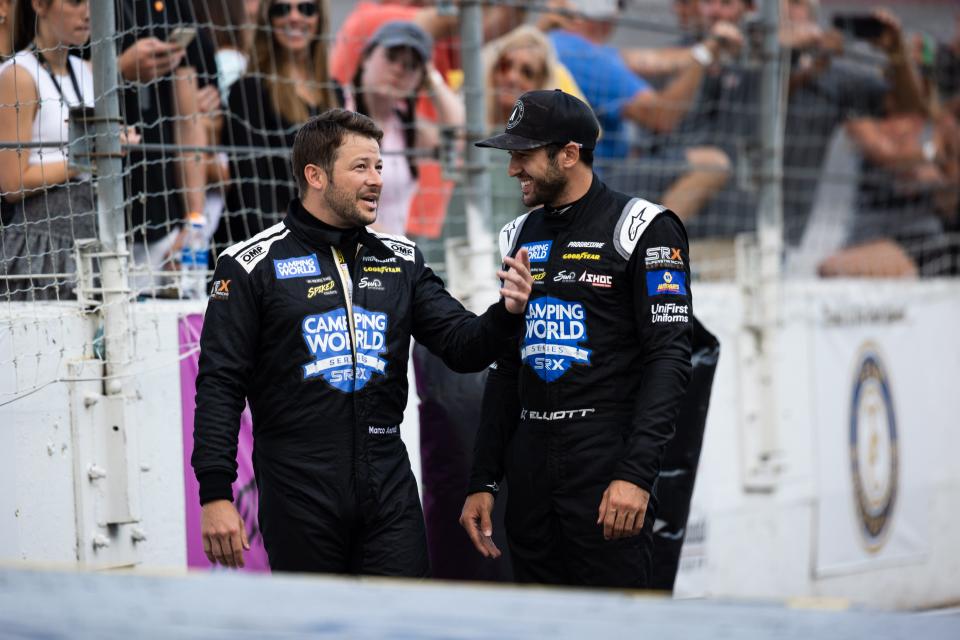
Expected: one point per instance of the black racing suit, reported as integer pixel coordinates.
(592, 392)
(326, 378)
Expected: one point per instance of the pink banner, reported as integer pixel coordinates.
(245, 494)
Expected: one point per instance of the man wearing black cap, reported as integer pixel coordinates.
(578, 414)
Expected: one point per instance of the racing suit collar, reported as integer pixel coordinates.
(568, 211)
(318, 233)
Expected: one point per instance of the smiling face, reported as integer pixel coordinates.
(63, 21)
(517, 71)
(294, 23)
(541, 180)
(397, 71)
(353, 191)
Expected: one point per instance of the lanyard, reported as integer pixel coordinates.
(73, 78)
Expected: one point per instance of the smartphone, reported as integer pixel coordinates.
(861, 26)
(182, 36)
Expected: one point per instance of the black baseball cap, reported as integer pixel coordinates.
(540, 118)
(398, 33)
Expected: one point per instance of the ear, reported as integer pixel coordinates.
(570, 155)
(40, 7)
(316, 177)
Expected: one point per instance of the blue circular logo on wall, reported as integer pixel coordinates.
(874, 460)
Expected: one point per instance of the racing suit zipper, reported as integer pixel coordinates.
(346, 281)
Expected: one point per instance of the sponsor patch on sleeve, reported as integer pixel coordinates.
(400, 249)
(220, 290)
(665, 282)
(298, 267)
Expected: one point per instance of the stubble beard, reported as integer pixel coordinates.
(346, 206)
(547, 190)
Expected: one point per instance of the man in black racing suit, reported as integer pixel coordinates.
(311, 322)
(578, 414)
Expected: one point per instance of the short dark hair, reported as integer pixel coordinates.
(318, 140)
(586, 155)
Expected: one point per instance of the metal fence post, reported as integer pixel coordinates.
(761, 276)
(476, 172)
(109, 183)
(106, 455)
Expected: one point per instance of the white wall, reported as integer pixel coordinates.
(757, 544)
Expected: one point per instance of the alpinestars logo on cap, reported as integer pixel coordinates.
(516, 115)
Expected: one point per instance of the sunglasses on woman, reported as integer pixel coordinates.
(283, 9)
(506, 65)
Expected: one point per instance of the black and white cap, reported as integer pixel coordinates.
(545, 117)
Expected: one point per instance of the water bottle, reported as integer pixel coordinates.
(193, 259)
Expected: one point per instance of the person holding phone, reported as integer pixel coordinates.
(47, 204)
(165, 67)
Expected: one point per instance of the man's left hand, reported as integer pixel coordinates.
(517, 282)
(622, 510)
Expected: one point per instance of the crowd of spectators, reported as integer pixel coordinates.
(680, 123)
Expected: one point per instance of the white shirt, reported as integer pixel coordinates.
(50, 121)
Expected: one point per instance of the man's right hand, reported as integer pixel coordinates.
(224, 536)
(475, 519)
(148, 59)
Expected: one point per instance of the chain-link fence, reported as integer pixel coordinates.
(132, 153)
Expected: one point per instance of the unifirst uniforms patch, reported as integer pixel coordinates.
(666, 282)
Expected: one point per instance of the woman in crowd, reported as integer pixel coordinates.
(286, 83)
(47, 204)
(520, 61)
(396, 65)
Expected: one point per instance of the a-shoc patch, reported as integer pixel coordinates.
(299, 267)
(554, 330)
(538, 251)
(220, 290)
(666, 282)
(669, 312)
(600, 280)
(327, 336)
(663, 258)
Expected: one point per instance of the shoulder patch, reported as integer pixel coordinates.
(250, 252)
(636, 217)
(402, 246)
(509, 234)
